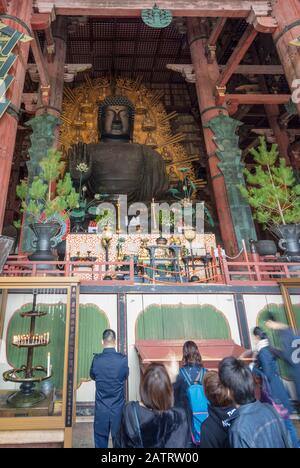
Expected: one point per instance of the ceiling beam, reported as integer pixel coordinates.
(188, 73)
(43, 22)
(213, 39)
(71, 70)
(40, 21)
(217, 31)
(257, 99)
(240, 51)
(132, 8)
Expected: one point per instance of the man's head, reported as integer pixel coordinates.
(109, 339)
(238, 379)
(116, 118)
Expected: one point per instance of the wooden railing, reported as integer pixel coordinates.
(89, 272)
(248, 270)
(257, 270)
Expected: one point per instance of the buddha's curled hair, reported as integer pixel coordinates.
(117, 101)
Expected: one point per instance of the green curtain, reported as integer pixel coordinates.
(54, 323)
(168, 322)
(92, 323)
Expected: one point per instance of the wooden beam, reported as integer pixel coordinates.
(257, 69)
(213, 39)
(42, 69)
(41, 21)
(245, 42)
(217, 31)
(253, 99)
(187, 70)
(3, 6)
(132, 8)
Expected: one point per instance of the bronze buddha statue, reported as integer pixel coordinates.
(115, 165)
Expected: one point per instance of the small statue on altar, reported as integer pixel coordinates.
(144, 253)
(115, 165)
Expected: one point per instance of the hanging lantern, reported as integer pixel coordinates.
(157, 18)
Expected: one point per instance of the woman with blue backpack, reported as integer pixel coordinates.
(189, 391)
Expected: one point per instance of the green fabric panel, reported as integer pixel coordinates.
(54, 323)
(171, 322)
(92, 323)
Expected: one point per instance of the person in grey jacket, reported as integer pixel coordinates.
(257, 425)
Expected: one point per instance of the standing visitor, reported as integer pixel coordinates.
(267, 367)
(154, 422)
(110, 371)
(257, 425)
(189, 391)
(221, 414)
(289, 346)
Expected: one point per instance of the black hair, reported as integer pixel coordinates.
(260, 333)
(109, 336)
(238, 378)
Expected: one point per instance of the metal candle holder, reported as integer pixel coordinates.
(28, 375)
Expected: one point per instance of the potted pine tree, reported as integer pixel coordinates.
(275, 197)
(41, 203)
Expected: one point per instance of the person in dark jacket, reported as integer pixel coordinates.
(109, 370)
(154, 422)
(193, 366)
(267, 365)
(289, 350)
(222, 413)
(257, 425)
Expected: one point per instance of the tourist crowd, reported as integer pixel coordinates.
(240, 406)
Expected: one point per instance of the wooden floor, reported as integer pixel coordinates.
(83, 436)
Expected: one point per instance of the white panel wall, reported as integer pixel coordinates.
(137, 303)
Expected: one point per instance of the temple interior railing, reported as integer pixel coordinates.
(249, 269)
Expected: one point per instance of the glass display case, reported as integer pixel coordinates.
(38, 357)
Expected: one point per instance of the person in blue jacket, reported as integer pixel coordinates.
(110, 371)
(267, 365)
(290, 351)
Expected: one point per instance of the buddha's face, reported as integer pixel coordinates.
(116, 123)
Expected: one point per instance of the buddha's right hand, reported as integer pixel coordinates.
(80, 162)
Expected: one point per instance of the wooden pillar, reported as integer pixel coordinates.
(56, 69)
(9, 123)
(287, 15)
(207, 75)
(45, 125)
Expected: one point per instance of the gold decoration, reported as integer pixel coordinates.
(80, 118)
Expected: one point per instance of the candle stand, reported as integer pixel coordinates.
(27, 375)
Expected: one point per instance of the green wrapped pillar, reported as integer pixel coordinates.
(42, 139)
(224, 129)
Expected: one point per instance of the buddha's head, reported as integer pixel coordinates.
(116, 118)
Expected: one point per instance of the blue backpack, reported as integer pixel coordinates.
(198, 402)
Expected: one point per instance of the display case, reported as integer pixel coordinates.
(38, 360)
